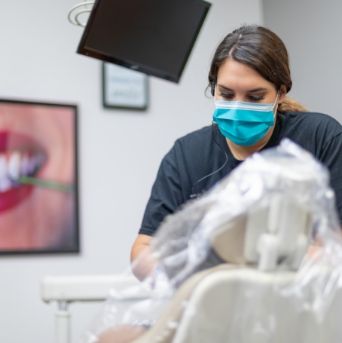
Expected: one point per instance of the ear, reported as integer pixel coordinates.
(282, 94)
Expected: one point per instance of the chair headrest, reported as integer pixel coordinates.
(267, 236)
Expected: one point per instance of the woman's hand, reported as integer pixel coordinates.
(141, 258)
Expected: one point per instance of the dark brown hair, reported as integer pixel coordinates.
(262, 50)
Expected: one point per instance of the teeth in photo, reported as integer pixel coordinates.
(3, 167)
(14, 166)
(5, 184)
(24, 165)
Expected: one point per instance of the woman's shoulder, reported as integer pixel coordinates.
(197, 137)
(313, 121)
(197, 143)
(313, 117)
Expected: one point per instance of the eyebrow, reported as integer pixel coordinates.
(255, 90)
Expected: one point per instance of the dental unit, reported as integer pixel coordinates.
(235, 265)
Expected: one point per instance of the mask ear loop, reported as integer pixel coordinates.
(276, 99)
(276, 104)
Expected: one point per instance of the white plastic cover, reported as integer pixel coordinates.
(258, 258)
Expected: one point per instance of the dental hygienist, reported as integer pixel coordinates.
(249, 79)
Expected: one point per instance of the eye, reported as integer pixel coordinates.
(227, 96)
(255, 98)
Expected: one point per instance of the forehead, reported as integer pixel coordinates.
(239, 77)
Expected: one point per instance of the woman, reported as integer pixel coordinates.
(249, 79)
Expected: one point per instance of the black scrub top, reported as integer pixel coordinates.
(201, 158)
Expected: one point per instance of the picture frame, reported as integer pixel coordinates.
(123, 88)
(38, 177)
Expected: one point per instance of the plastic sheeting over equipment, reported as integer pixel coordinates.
(256, 259)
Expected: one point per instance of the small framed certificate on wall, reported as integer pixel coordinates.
(123, 88)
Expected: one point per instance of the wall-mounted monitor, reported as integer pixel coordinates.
(151, 36)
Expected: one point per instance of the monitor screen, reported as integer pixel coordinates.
(151, 36)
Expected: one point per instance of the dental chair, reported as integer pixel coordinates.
(261, 251)
(232, 273)
(260, 256)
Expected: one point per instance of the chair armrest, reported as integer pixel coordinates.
(83, 287)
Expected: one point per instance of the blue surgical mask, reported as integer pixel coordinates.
(244, 123)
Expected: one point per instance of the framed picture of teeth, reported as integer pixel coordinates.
(123, 88)
(38, 178)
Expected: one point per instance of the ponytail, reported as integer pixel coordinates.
(290, 105)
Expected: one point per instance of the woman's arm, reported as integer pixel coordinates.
(166, 196)
(141, 258)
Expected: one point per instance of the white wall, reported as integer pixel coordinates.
(119, 151)
(312, 31)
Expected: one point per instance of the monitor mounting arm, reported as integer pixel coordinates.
(80, 11)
